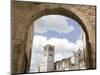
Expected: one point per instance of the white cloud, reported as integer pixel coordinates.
(79, 44)
(63, 49)
(56, 23)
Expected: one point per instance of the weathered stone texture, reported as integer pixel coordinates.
(25, 13)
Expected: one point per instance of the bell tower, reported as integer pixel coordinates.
(48, 57)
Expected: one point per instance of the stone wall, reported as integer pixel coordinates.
(25, 13)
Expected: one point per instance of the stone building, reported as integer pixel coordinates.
(77, 60)
(62, 65)
(74, 62)
(42, 68)
(48, 59)
(76, 57)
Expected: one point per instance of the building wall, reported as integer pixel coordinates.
(72, 63)
(42, 68)
(64, 64)
(48, 61)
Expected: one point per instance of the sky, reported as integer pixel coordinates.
(62, 32)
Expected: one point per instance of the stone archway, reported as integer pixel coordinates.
(25, 13)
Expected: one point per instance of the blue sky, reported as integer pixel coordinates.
(71, 36)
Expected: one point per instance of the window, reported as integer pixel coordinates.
(50, 54)
(50, 49)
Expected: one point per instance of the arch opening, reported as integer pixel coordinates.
(25, 13)
(68, 38)
(80, 19)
